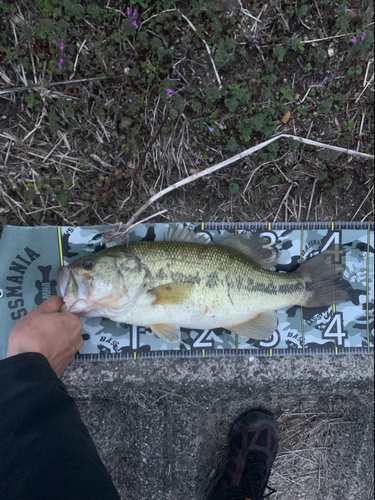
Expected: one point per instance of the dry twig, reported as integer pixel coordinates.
(108, 235)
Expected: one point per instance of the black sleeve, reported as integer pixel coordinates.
(46, 452)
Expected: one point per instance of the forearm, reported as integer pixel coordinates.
(45, 449)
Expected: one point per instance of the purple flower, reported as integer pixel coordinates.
(173, 79)
(62, 47)
(60, 63)
(354, 39)
(197, 160)
(170, 92)
(363, 37)
(332, 69)
(131, 17)
(324, 81)
(209, 128)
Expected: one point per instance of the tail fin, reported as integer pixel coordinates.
(323, 276)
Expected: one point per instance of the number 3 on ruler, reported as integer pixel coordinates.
(335, 330)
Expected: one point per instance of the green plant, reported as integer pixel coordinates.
(360, 43)
(285, 94)
(296, 45)
(223, 54)
(231, 144)
(308, 67)
(264, 122)
(322, 173)
(302, 11)
(269, 79)
(31, 100)
(349, 126)
(293, 144)
(212, 94)
(54, 120)
(279, 53)
(302, 111)
(321, 56)
(244, 131)
(233, 187)
(342, 23)
(254, 208)
(340, 183)
(325, 106)
(239, 92)
(239, 95)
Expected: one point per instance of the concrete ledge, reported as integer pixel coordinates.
(161, 426)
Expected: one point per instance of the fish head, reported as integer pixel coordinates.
(103, 281)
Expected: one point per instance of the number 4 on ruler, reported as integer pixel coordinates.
(335, 330)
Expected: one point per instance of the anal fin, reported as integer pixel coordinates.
(166, 331)
(260, 327)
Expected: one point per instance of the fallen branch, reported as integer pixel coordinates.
(108, 235)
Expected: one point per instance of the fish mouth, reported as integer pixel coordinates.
(73, 290)
(64, 276)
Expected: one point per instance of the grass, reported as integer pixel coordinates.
(161, 90)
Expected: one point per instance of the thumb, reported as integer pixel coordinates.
(50, 305)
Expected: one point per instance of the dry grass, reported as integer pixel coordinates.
(304, 441)
(90, 143)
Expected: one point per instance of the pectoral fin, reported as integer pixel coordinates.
(260, 327)
(172, 293)
(168, 332)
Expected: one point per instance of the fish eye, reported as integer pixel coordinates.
(87, 264)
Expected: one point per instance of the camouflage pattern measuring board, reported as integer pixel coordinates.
(29, 258)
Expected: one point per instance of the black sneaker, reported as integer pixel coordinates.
(252, 444)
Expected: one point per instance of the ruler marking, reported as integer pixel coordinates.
(302, 325)
(334, 305)
(60, 246)
(367, 288)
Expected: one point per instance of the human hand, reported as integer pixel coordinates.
(55, 334)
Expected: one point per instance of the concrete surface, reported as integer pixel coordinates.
(161, 425)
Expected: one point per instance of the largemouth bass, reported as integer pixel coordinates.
(172, 284)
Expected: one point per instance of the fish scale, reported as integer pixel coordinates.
(172, 284)
(228, 289)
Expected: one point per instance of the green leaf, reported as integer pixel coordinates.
(31, 100)
(321, 56)
(325, 106)
(212, 94)
(233, 188)
(231, 104)
(69, 112)
(231, 144)
(279, 53)
(53, 122)
(63, 198)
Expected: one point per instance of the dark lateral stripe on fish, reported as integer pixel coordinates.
(252, 286)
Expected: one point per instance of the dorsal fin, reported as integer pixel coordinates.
(255, 246)
(185, 234)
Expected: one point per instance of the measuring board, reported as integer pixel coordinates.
(28, 275)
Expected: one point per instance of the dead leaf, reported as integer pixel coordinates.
(286, 117)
